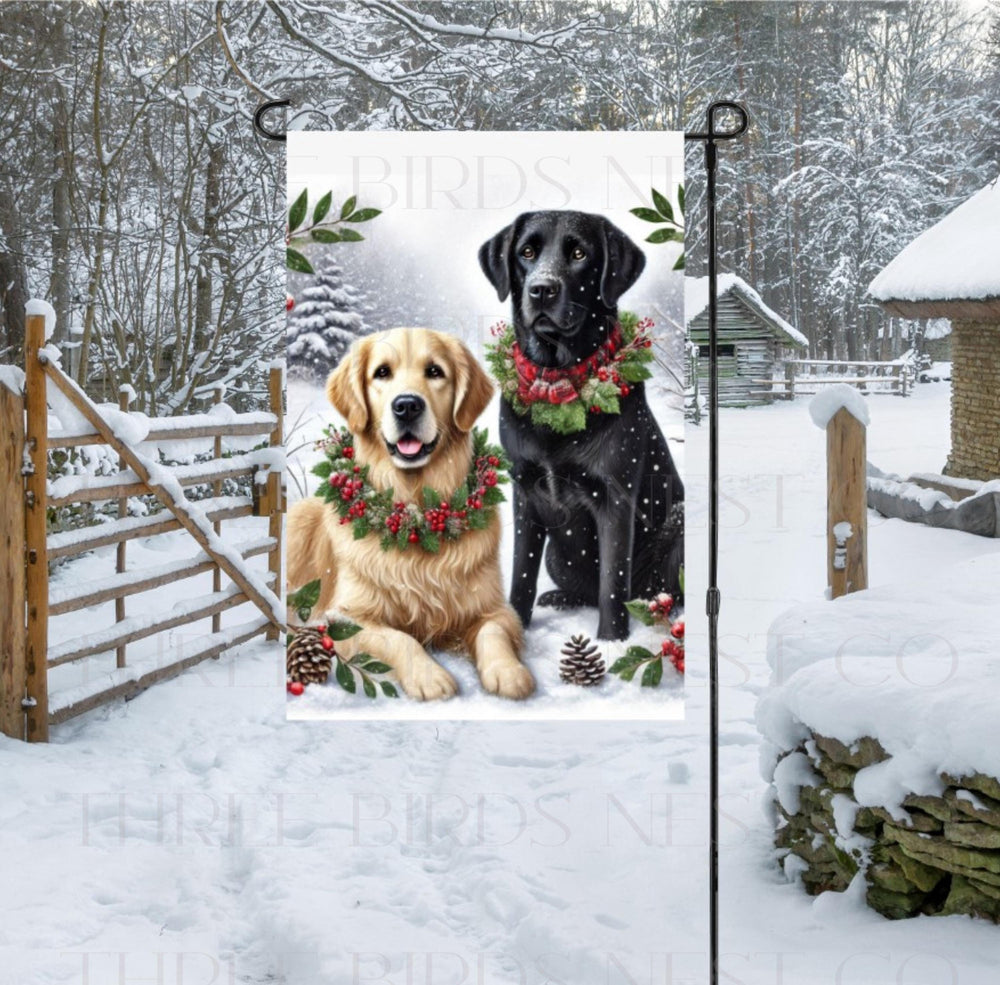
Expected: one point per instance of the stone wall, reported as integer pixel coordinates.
(975, 400)
(943, 858)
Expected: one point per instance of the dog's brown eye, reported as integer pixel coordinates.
(434, 371)
(578, 254)
(528, 253)
(383, 372)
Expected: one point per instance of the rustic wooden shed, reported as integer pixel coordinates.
(952, 270)
(753, 340)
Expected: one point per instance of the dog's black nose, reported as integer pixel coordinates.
(408, 406)
(544, 290)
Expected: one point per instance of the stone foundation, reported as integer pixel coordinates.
(944, 858)
(975, 400)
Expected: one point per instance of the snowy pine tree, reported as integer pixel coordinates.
(326, 319)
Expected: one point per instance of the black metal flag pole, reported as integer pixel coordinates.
(710, 137)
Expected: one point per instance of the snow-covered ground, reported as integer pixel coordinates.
(195, 836)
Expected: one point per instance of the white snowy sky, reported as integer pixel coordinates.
(445, 193)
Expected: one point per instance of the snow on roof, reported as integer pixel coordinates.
(956, 259)
(696, 301)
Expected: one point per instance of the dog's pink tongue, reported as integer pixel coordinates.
(408, 446)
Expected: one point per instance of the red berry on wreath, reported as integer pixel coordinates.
(414, 537)
(677, 630)
(327, 643)
(289, 302)
(348, 452)
(624, 390)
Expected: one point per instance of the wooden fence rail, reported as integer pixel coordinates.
(26, 654)
(805, 377)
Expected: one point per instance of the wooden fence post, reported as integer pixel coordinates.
(275, 492)
(124, 399)
(847, 507)
(217, 397)
(35, 533)
(13, 673)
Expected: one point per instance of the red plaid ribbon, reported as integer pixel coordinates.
(561, 386)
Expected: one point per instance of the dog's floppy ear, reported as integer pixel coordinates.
(473, 388)
(494, 258)
(623, 262)
(345, 387)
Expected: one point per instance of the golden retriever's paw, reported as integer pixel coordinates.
(429, 681)
(507, 678)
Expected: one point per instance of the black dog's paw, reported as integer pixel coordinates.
(560, 600)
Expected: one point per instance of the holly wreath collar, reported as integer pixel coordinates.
(562, 399)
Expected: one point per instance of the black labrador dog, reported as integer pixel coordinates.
(607, 500)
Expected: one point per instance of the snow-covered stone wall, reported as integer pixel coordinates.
(935, 854)
(975, 400)
(880, 742)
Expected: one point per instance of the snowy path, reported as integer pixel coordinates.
(196, 828)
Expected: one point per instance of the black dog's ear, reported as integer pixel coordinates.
(623, 262)
(494, 258)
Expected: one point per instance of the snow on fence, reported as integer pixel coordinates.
(25, 442)
(809, 376)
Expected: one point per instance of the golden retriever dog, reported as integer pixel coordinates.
(410, 397)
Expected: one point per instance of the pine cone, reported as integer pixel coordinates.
(582, 664)
(307, 660)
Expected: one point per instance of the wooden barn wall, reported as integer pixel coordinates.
(755, 357)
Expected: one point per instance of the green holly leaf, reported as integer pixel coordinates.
(348, 207)
(298, 211)
(653, 673)
(297, 262)
(633, 373)
(377, 667)
(607, 401)
(342, 629)
(640, 609)
(326, 235)
(647, 215)
(323, 468)
(627, 673)
(679, 264)
(663, 206)
(322, 207)
(362, 215)
(369, 687)
(350, 236)
(634, 656)
(388, 690)
(680, 198)
(345, 678)
(304, 599)
(665, 236)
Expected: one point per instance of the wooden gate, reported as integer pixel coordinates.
(26, 656)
